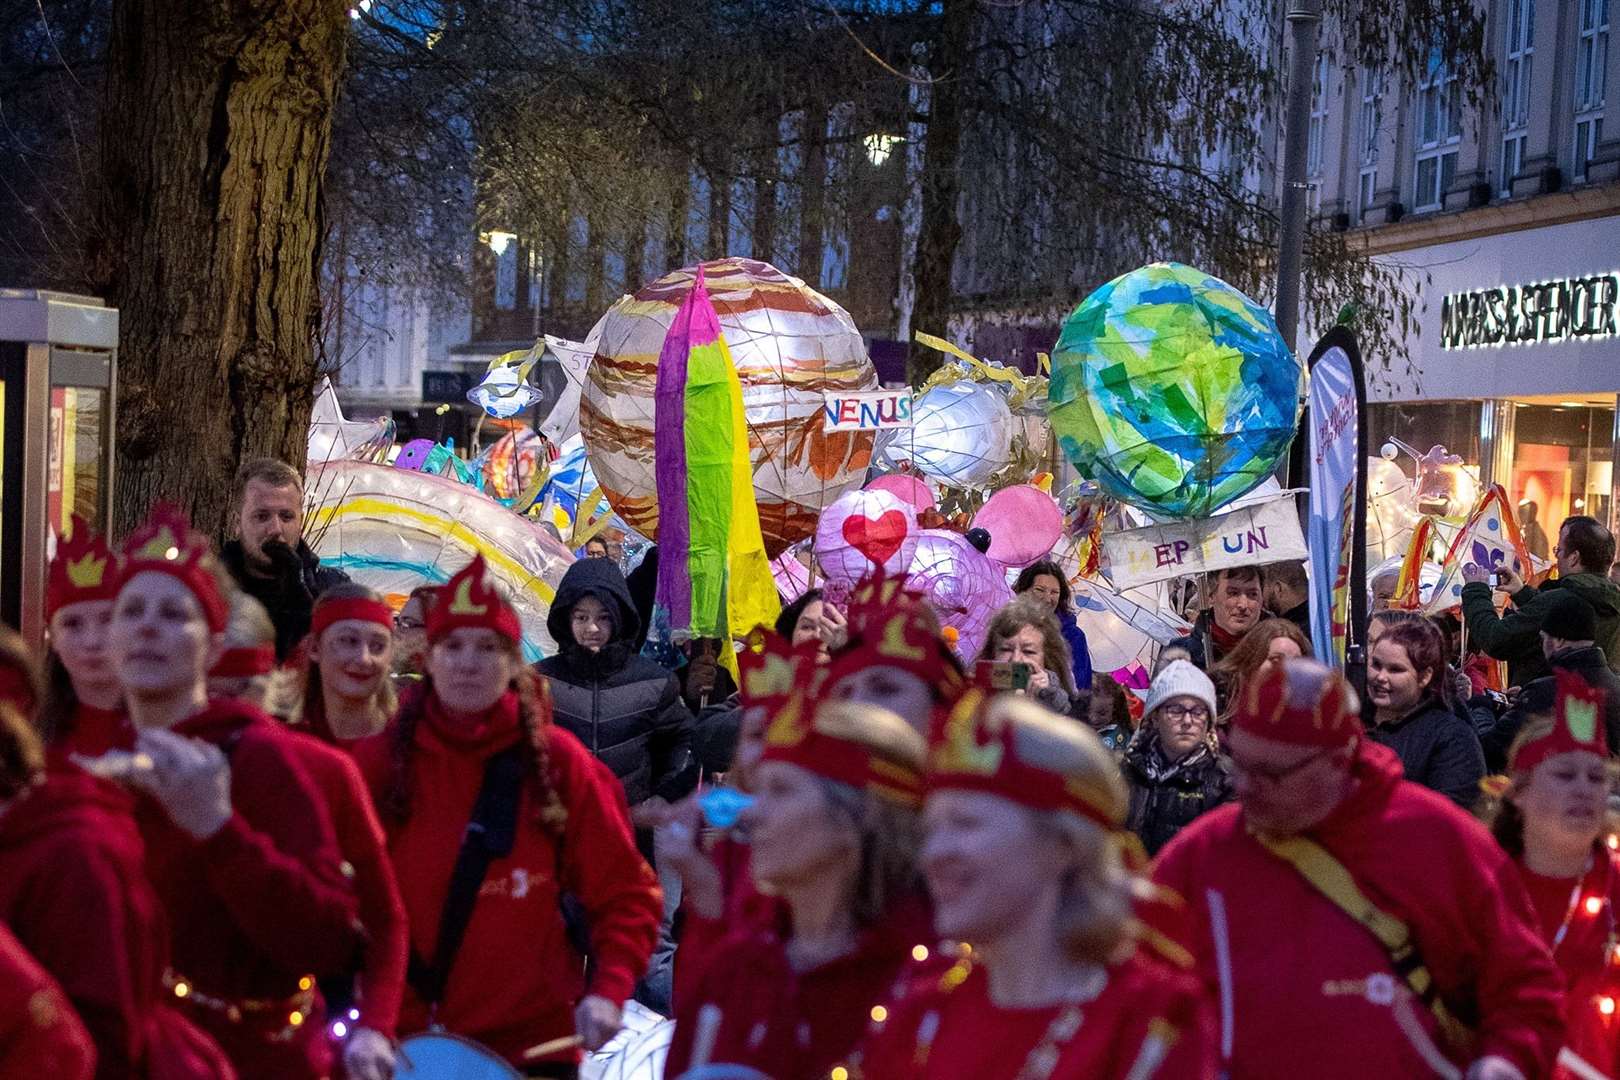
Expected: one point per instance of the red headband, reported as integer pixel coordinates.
(247, 662)
(793, 738)
(167, 544)
(1577, 725)
(84, 569)
(976, 751)
(359, 608)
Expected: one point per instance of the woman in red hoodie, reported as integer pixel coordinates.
(239, 844)
(364, 1001)
(1551, 817)
(73, 889)
(516, 981)
(347, 694)
(834, 835)
(82, 694)
(39, 1034)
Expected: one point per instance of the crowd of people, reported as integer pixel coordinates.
(256, 822)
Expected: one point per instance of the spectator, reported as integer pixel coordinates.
(595, 548)
(1288, 593)
(1382, 587)
(1273, 931)
(1171, 764)
(1405, 679)
(1270, 642)
(1535, 537)
(1108, 712)
(1585, 552)
(410, 632)
(1046, 582)
(1024, 632)
(1567, 635)
(1180, 648)
(1236, 607)
(270, 559)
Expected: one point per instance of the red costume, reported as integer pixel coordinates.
(516, 977)
(1294, 973)
(39, 1034)
(73, 888)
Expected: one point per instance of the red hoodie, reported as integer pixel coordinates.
(73, 889)
(39, 1033)
(516, 978)
(260, 905)
(797, 1025)
(381, 980)
(1292, 973)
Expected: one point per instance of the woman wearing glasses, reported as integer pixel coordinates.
(1171, 764)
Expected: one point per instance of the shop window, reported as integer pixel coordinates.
(1563, 462)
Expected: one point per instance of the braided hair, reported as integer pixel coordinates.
(534, 713)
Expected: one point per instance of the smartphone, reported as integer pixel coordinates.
(1003, 675)
(1496, 579)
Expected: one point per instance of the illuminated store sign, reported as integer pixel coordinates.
(1568, 309)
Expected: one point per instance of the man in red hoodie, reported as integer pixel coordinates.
(1349, 923)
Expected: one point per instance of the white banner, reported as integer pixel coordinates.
(873, 410)
(1263, 533)
(1332, 469)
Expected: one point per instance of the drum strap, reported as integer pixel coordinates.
(489, 836)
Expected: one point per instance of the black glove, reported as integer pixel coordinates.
(289, 568)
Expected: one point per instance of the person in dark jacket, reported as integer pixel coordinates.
(1288, 593)
(1046, 582)
(1585, 552)
(270, 559)
(1412, 716)
(625, 709)
(1567, 635)
(1237, 605)
(1171, 765)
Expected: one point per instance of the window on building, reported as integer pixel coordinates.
(1439, 131)
(1366, 188)
(1372, 113)
(1512, 161)
(1588, 132)
(1518, 54)
(1591, 81)
(1319, 85)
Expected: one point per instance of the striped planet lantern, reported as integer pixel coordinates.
(790, 345)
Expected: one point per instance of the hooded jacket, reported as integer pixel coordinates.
(1516, 635)
(1538, 696)
(290, 596)
(73, 889)
(624, 708)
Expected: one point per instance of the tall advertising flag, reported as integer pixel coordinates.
(1335, 526)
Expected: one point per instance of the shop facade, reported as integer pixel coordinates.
(1515, 365)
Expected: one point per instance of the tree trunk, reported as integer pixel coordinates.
(814, 184)
(949, 64)
(214, 141)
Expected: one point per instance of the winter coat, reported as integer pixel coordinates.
(1437, 748)
(624, 708)
(1294, 974)
(516, 977)
(1539, 695)
(289, 597)
(73, 889)
(40, 1035)
(1166, 797)
(1079, 650)
(1516, 635)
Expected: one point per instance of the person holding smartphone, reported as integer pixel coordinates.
(1025, 632)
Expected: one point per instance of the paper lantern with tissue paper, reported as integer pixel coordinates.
(1174, 391)
(1024, 523)
(960, 435)
(790, 345)
(965, 588)
(865, 531)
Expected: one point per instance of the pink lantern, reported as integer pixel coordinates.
(912, 489)
(864, 531)
(792, 575)
(965, 587)
(1024, 523)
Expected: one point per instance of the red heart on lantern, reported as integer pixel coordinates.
(876, 538)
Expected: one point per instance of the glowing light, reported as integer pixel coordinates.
(919, 953)
(354, 1014)
(1613, 842)
(839, 1073)
(339, 1029)
(305, 983)
(1594, 904)
(1606, 1005)
(879, 147)
(879, 1014)
(498, 240)
(172, 554)
(295, 1018)
(181, 989)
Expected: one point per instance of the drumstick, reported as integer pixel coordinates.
(546, 1049)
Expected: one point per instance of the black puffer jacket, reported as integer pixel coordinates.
(1437, 748)
(290, 596)
(625, 709)
(1165, 798)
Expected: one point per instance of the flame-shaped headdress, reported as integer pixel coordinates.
(84, 569)
(1577, 724)
(1301, 703)
(165, 543)
(825, 739)
(891, 625)
(470, 599)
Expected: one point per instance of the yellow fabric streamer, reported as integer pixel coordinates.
(751, 598)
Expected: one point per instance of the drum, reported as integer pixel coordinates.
(438, 1055)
